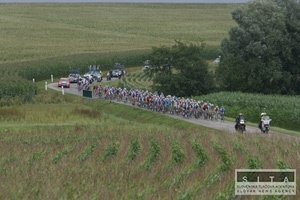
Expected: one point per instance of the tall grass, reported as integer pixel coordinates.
(283, 110)
(21, 90)
(116, 154)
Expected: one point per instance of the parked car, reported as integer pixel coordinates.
(74, 78)
(64, 82)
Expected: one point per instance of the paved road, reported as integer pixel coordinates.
(223, 126)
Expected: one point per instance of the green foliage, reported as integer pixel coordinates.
(225, 157)
(280, 164)
(177, 153)
(228, 193)
(35, 157)
(59, 156)
(261, 54)
(16, 87)
(62, 30)
(134, 149)
(61, 37)
(111, 150)
(254, 163)
(153, 154)
(202, 156)
(52, 145)
(283, 110)
(180, 70)
(89, 150)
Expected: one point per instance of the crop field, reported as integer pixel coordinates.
(59, 148)
(41, 31)
(42, 39)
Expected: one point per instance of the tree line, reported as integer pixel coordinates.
(260, 55)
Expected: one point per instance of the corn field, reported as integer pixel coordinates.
(101, 150)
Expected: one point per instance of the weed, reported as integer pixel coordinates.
(177, 153)
(280, 164)
(254, 162)
(35, 156)
(88, 151)
(201, 154)
(111, 150)
(154, 153)
(61, 154)
(225, 157)
(134, 149)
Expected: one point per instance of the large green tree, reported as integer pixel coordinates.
(180, 70)
(262, 54)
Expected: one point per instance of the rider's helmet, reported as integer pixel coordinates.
(240, 114)
(263, 114)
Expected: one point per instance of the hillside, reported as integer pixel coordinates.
(55, 146)
(65, 149)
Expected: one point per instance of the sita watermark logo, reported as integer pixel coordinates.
(265, 182)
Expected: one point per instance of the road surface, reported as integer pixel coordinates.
(226, 126)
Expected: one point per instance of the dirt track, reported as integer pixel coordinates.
(223, 126)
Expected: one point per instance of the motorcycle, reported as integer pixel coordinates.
(108, 77)
(265, 124)
(241, 126)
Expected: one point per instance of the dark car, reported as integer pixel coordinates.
(74, 78)
(64, 82)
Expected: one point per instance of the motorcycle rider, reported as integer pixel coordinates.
(263, 114)
(238, 119)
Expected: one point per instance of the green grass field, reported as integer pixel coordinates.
(41, 31)
(61, 147)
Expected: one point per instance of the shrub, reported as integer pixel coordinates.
(17, 87)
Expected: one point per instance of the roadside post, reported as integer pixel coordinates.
(51, 78)
(33, 80)
(46, 85)
(62, 90)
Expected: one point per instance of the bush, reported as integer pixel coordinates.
(17, 87)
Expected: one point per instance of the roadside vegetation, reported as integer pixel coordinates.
(55, 146)
(283, 110)
(58, 147)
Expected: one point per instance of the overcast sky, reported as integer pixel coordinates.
(125, 1)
